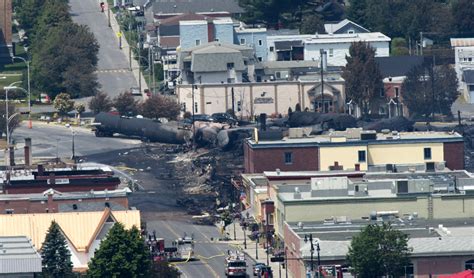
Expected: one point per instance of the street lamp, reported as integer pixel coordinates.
(73, 157)
(7, 88)
(310, 239)
(29, 88)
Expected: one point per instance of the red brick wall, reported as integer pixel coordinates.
(439, 265)
(292, 245)
(6, 21)
(454, 155)
(259, 160)
(27, 206)
(60, 188)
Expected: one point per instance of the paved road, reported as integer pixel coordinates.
(113, 67)
(47, 139)
(210, 252)
(50, 139)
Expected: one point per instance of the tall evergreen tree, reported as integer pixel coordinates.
(362, 75)
(463, 15)
(55, 254)
(121, 254)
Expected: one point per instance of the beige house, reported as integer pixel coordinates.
(272, 98)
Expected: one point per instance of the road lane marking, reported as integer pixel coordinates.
(205, 264)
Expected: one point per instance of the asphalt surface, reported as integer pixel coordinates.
(50, 140)
(158, 205)
(113, 67)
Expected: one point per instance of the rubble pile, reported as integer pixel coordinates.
(324, 121)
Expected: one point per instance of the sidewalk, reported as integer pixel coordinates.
(250, 251)
(125, 49)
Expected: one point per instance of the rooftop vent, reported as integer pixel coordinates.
(297, 194)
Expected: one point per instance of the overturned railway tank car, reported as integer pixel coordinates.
(106, 124)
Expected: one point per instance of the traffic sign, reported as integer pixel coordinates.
(119, 34)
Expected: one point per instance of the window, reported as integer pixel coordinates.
(230, 65)
(469, 265)
(195, 107)
(230, 80)
(427, 153)
(331, 52)
(198, 42)
(382, 110)
(397, 91)
(382, 92)
(350, 31)
(259, 59)
(242, 41)
(260, 42)
(272, 48)
(288, 158)
(216, 39)
(356, 188)
(361, 156)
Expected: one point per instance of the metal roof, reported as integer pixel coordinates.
(394, 66)
(460, 42)
(80, 228)
(17, 255)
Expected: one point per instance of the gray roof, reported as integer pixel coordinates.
(289, 64)
(196, 6)
(89, 206)
(397, 65)
(468, 76)
(422, 247)
(287, 45)
(214, 57)
(17, 255)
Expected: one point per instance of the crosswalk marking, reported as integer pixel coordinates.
(112, 71)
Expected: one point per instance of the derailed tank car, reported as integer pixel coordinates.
(106, 124)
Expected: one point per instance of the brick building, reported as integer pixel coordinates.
(55, 201)
(355, 150)
(6, 45)
(437, 249)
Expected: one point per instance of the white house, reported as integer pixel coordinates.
(464, 59)
(337, 46)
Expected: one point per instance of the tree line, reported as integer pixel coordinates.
(402, 18)
(63, 53)
(156, 106)
(428, 89)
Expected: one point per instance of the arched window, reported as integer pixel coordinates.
(469, 265)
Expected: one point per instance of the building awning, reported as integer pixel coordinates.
(287, 45)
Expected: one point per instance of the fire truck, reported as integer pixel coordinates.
(235, 264)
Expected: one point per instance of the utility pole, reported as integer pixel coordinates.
(433, 87)
(192, 108)
(139, 61)
(323, 53)
(421, 43)
(233, 101)
(73, 147)
(108, 14)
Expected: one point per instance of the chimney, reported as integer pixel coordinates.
(324, 60)
(11, 155)
(40, 170)
(27, 151)
(263, 121)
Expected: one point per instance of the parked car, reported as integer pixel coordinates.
(199, 118)
(224, 118)
(135, 91)
(257, 267)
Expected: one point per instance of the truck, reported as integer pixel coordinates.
(235, 264)
(185, 247)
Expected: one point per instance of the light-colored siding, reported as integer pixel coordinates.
(346, 156)
(404, 153)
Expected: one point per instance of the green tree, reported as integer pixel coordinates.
(399, 47)
(311, 24)
(158, 106)
(428, 90)
(362, 75)
(101, 102)
(463, 15)
(63, 103)
(27, 12)
(122, 253)
(379, 250)
(356, 11)
(55, 254)
(126, 104)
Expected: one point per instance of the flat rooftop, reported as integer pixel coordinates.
(352, 137)
(65, 195)
(345, 229)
